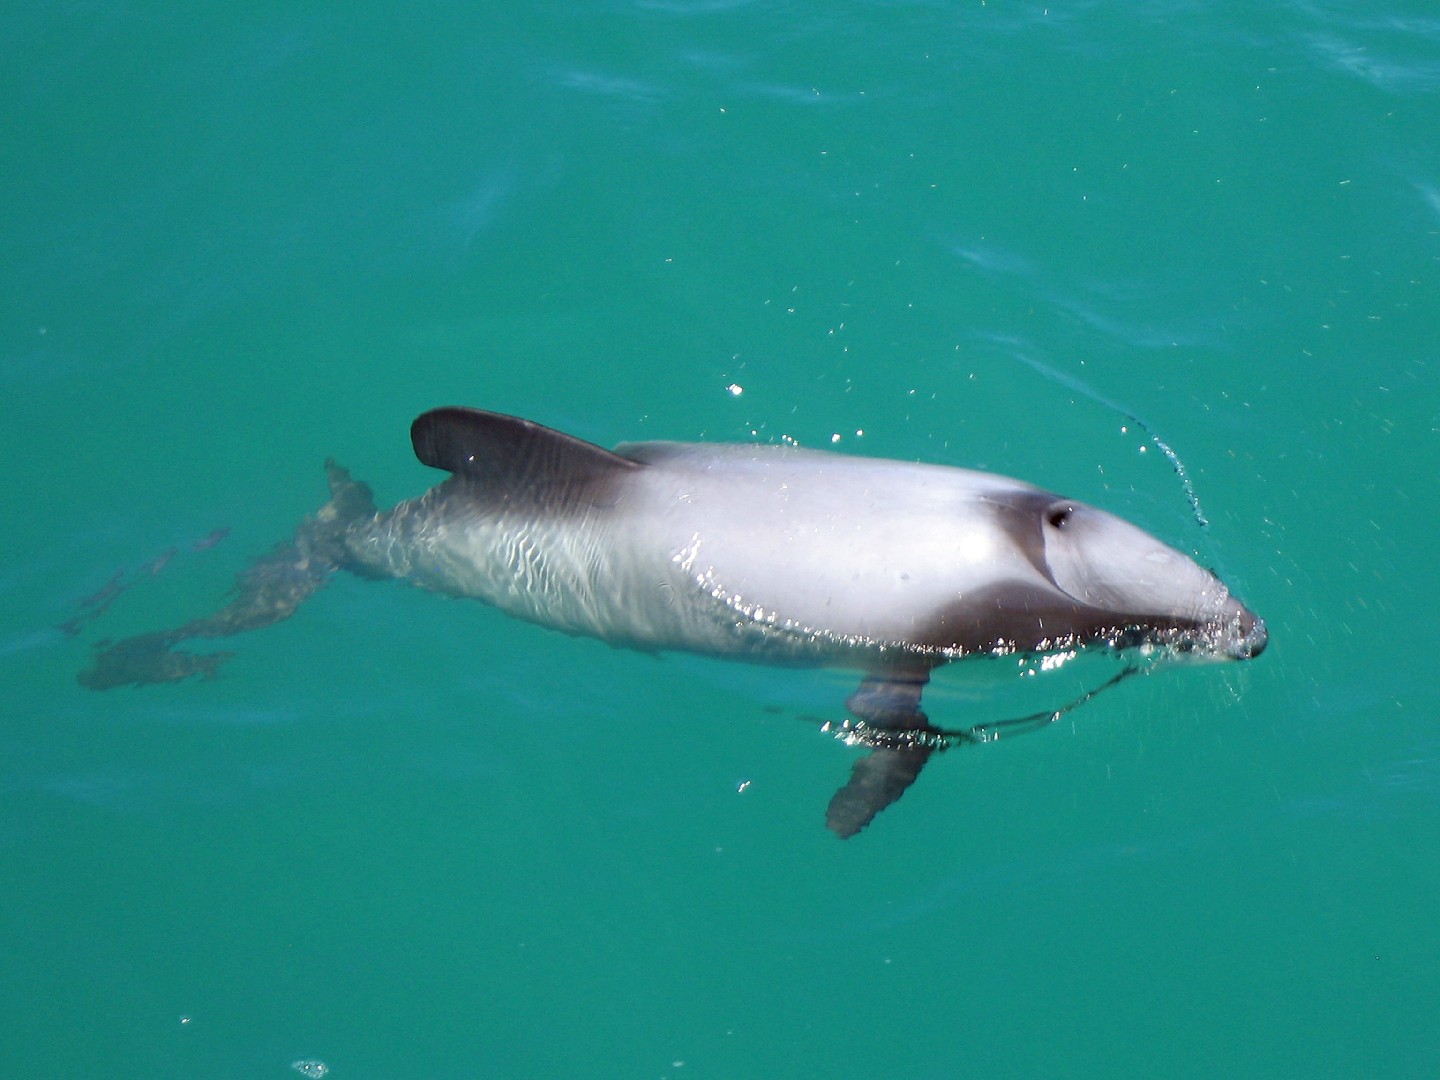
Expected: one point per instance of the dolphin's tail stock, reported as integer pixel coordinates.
(266, 592)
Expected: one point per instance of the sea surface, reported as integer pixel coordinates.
(1180, 260)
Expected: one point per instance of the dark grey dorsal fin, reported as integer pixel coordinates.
(509, 454)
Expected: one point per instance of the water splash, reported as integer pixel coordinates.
(1074, 384)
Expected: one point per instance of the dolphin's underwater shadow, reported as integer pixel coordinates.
(770, 554)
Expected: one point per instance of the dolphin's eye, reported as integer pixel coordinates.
(1058, 515)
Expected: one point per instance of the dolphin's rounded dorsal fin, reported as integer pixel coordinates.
(506, 451)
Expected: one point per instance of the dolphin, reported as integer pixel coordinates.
(768, 554)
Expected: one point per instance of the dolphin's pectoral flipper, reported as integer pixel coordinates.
(889, 706)
(265, 592)
(876, 781)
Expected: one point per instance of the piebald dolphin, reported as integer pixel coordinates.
(771, 554)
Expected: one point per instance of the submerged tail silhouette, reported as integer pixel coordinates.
(266, 592)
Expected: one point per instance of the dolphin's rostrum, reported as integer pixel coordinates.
(771, 554)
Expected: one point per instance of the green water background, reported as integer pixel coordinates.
(408, 837)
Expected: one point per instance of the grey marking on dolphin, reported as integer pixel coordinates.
(769, 554)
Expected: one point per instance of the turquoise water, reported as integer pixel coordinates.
(407, 837)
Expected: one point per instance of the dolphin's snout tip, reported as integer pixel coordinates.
(1251, 637)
